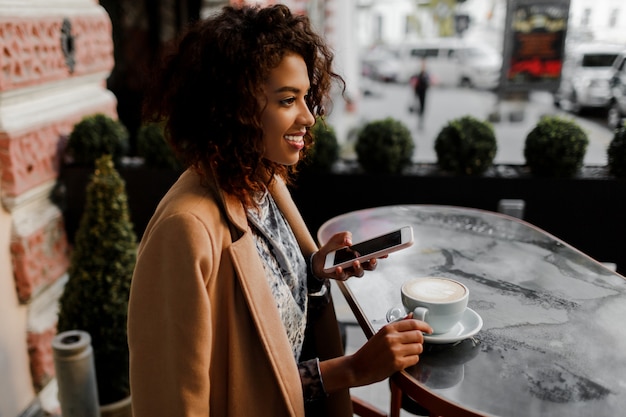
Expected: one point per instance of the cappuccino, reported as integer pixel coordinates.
(435, 290)
(441, 302)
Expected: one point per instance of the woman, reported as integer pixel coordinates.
(229, 312)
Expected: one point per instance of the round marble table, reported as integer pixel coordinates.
(553, 338)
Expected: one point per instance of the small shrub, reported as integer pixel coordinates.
(95, 298)
(555, 147)
(325, 150)
(617, 153)
(384, 146)
(154, 149)
(97, 135)
(466, 146)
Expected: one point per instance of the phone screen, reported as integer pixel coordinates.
(369, 246)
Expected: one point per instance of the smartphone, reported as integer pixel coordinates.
(368, 249)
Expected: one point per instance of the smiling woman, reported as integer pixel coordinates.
(229, 300)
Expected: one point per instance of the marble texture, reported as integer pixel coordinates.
(553, 338)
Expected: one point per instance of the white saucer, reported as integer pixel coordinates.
(470, 324)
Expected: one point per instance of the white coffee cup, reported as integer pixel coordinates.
(440, 302)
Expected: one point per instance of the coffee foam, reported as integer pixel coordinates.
(435, 289)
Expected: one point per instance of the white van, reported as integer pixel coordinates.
(586, 76)
(450, 62)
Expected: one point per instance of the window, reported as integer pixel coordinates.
(378, 27)
(432, 52)
(418, 52)
(613, 18)
(598, 60)
(424, 52)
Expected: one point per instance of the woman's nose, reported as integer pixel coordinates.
(307, 118)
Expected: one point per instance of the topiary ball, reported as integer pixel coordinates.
(384, 146)
(466, 146)
(325, 150)
(555, 147)
(617, 153)
(154, 149)
(97, 135)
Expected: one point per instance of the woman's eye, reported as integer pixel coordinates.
(288, 101)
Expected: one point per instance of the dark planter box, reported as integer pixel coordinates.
(144, 187)
(588, 211)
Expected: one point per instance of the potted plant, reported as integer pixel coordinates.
(94, 136)
(146, 178)
(466, 146)
(325, 150)
(555, 147)
(384, 147)
(617, 153)
(154, 149)
(95, 298)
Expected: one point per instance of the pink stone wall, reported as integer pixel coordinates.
(32, 157)
(32, 55)
(32, 51)
(39, 258)
(41, 356)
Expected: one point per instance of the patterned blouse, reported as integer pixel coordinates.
(287, 274)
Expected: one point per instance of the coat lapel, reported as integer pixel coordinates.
(262, 306)
(285, 203)
(328, 343)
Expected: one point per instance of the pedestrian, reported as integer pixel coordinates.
(230, 312)
(421, 83)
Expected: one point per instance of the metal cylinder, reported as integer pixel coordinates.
(76, 374)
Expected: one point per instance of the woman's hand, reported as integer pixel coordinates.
(357, 269)
(395, 347)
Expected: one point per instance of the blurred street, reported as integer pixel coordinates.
(444, 104)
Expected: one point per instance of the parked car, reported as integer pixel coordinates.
(380, 63)
(480, 67)
(617, 107)
(585, 77)
(450, 61)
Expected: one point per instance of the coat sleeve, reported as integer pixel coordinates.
(168, 322)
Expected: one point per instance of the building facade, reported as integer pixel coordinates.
(395, 21)
(56, 56)
(603, 20)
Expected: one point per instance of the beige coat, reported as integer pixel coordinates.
(204, 332)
